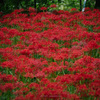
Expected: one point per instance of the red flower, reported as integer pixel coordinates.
(2, 36)
(32, 9)
(13, 32)
(20, 98)
(29, 75)
(83, 90)
(73, 10)
(45, 81)
(75, 54)
(92, 45)
(82, 87)
(29, 96)
(43, 8)
(8, 86)
(24, 90)
(25, 52)
(74, 97)
(34, 85)
(53, 6)
(40, 74)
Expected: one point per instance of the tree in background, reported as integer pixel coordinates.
(59, 1)
(7, 6)
(97, 4)
(80, 5)
(1, 4)
(88, 3)
(34, 3)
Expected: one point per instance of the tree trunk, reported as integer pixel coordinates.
(80, 5)
(88, 4)
(1, 3)
(97, 4)
(52, 1)
(45, 2)
(34, 3)
(59, 1)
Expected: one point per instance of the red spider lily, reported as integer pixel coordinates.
(6, 41)
(60, 56)
(25, 52)
(34, 85)
(75, 54)
(29, 96)
(8, 86)
(40, 75)
(73, 10)
(54, 91)
(53, 6)
(13, 32)
(2, 37)
(43, 8)
(6, 78)
(44, 81)
(83, 90)
(20, 98)
(82, 87)
(92, 45)
(84, 61)
(74, 97)
(19, 85)
(24, 90)
(4, 29)
(8, 64)
(29, 74)
(32, 9)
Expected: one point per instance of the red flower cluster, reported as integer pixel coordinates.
(53, 6)
(47, 56)
(43, 8)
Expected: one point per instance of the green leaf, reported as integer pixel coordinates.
(71, 89)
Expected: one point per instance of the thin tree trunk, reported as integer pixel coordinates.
(97, 4)
(59, 1)
(52, 1)
(1, 3)
(34, 3)
(45, 2)
(80, 5)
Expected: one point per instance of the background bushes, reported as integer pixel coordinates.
(7, 6)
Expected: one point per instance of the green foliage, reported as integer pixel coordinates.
(71, 89)
(90, 3)
(10, 5)
(7, 70)
(28, 79)
(7, 95)
(15, 40)
(1, 58)
(95, 53)
(37, 56)
(89, 98)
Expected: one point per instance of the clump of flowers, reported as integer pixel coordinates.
(43, 8)
(53, 6)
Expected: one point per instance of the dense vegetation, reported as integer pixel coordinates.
(7, 6)
(52, 54)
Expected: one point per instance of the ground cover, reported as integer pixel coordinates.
(50, 56)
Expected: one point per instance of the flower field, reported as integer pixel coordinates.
(50, 55)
